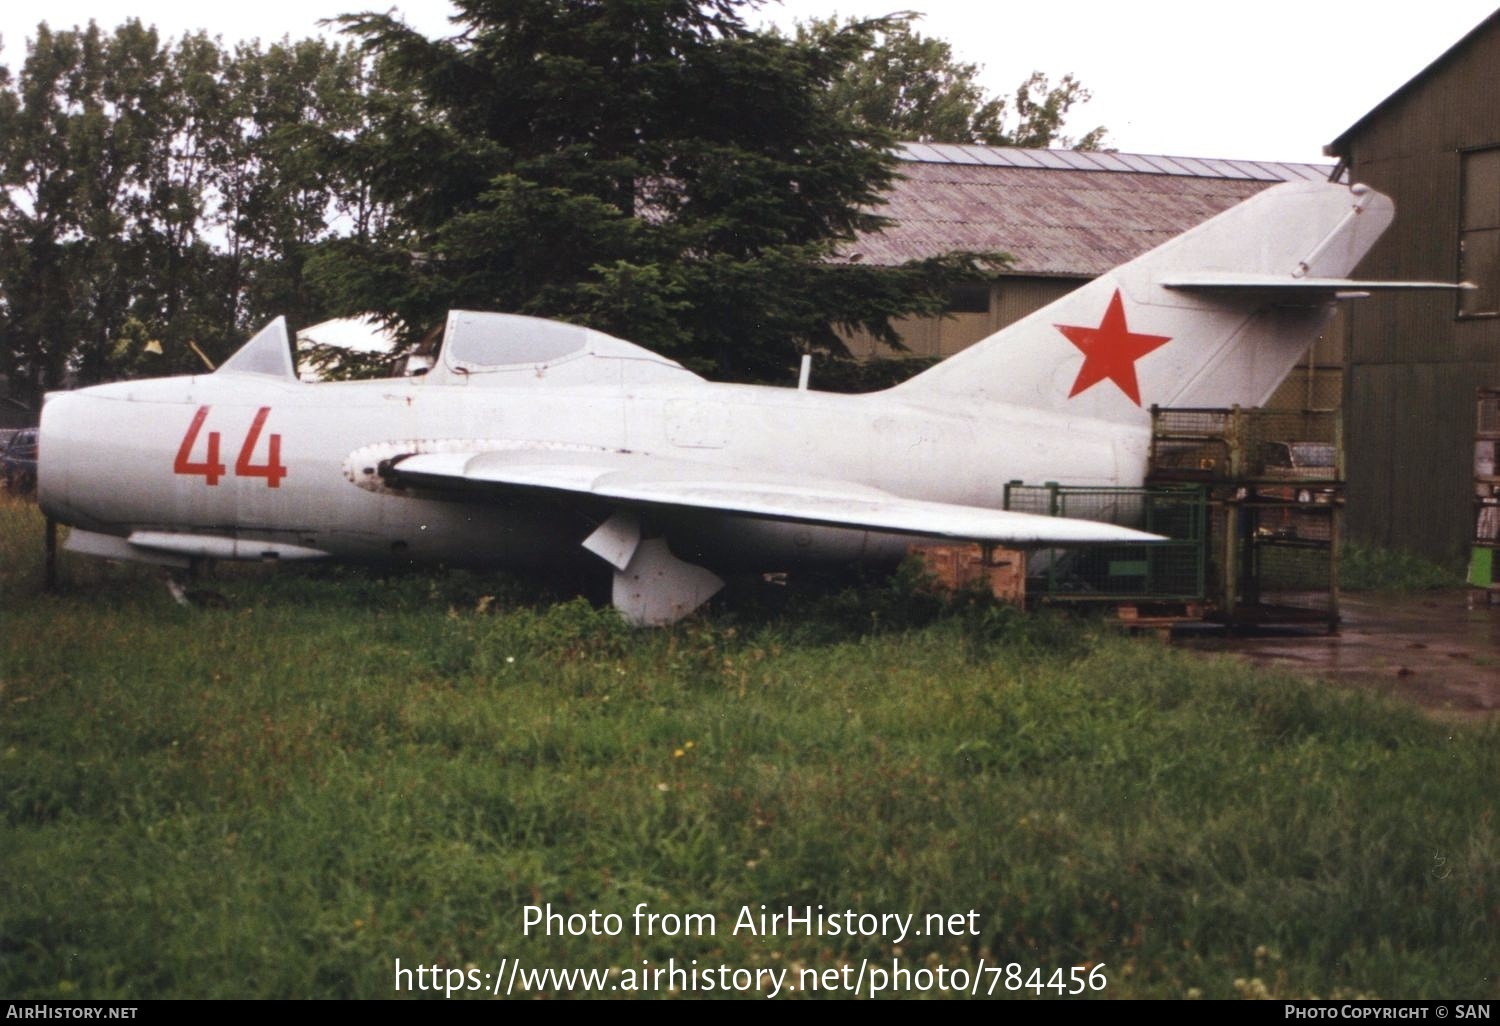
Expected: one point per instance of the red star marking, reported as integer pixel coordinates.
(1110, 351)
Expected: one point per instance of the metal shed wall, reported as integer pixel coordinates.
(1411, 363)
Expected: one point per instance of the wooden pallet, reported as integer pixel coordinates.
(1157, 617)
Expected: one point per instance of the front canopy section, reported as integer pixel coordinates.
(500, 349)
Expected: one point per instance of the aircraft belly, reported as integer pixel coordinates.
(737, 544)
(466, 533)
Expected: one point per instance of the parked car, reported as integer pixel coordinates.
(18, 461)
(1298, 461)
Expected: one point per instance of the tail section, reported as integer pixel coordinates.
(1216, 317)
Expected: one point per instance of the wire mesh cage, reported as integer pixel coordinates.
(1286, 577)
(1191, 445)
(1246, 444)
(1170, 570)
(1274, 563)
(1250, 500)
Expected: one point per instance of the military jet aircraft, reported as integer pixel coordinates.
(531, 441)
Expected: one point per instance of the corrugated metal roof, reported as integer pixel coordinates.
(1090, 160)
(1061, 213)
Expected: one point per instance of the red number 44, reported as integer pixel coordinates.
(211, 468)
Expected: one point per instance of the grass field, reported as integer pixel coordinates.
(284, 797)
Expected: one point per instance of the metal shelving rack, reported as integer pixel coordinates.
(1275, 487)
(1484, 564)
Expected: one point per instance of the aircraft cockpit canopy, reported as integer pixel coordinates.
(493, 348)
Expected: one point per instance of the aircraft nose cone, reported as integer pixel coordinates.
(60, 413)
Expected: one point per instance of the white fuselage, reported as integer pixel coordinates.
(124, 458)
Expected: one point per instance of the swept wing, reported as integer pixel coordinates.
(640, 480)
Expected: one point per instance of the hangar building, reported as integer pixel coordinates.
(1413, 361)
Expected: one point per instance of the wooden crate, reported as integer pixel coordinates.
(962, 567)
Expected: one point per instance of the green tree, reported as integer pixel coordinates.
(241, 195)
(1041, 108)
(279, 198)
(162, 193)
(911, 86)
(653, 168)
(74, 137)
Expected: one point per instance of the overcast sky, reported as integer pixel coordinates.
(1271, 81)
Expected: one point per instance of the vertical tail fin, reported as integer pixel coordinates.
(1216, 317)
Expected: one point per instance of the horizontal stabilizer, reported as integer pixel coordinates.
(633, 479)
(1279, 283)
